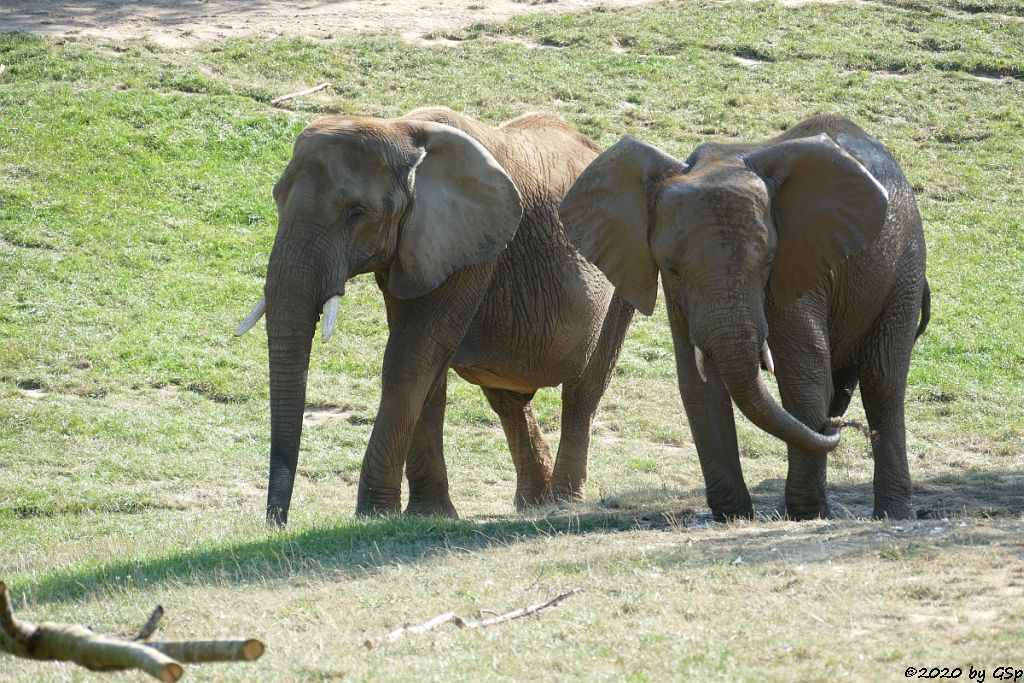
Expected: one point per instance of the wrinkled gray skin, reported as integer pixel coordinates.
(811, 241)
(458, 221)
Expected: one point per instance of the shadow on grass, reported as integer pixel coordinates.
(358, 546)
(974, 492)
(348, 549)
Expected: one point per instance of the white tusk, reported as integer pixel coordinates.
(330, 317)
(250, 320)
(766, 356)
(698, 358)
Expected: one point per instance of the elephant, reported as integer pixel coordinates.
(803, 255)
(458, 222)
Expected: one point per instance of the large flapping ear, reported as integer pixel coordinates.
(826, 205)
(465, 209)
(606, 215)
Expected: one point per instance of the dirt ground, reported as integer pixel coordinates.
(181, 23)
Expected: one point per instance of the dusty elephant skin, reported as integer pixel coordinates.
(458, 221)
(803, 254)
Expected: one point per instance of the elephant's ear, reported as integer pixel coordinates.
(465, 209)
(606, 214)
(826, 206)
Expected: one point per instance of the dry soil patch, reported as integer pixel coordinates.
(182, 23)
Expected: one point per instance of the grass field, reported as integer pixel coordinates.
(135, 224)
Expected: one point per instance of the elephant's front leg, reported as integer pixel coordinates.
(425, 333)
(713, 428)
(425, 468)
(803, 369)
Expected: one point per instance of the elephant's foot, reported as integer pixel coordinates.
(277, 516)
(532, 495)
(378, 508)
(377, 501)
(729, 514)
(569, 492)
(806, 512)
(892, 509)
(432, 508)
(729, 505)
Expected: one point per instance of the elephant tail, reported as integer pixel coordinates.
(926, 309)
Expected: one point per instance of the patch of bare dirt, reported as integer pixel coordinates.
(321, 414)
(184, 23)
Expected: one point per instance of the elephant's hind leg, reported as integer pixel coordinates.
(530, 454)
(580, 400)
(425, 467)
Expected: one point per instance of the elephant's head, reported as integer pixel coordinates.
(418, 200)
(728, 228)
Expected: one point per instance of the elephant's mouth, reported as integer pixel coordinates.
(328, 316)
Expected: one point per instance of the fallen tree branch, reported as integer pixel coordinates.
(453, 618)
(430, 624)
(197, 651)
(522, 612)
(78, 644)
(308, 91)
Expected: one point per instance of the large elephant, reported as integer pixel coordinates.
(458, 221)
(803, 253)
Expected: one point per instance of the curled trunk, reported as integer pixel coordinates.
(739, 367)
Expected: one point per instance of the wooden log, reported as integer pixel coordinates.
(78, 644)
(195, 651)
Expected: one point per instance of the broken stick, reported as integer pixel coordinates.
(452, 618)
(308, 91)
(840, 423)
(78, 644)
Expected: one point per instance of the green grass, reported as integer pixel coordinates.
(135, 223)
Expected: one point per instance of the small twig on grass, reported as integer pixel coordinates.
(151, 625)
(428, 625)
(522, 612)
(308, 91)
(78, 644)
(839, 423)
(452, 618)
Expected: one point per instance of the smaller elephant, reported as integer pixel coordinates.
(804, 255)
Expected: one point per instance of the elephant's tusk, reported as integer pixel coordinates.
(698, 358)
(766, 356)
(250, 320)
(330, 317)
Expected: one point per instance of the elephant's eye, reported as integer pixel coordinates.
(355, 212)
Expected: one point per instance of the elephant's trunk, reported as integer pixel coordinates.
(289, 363)
(737, 356)
(299, 282)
